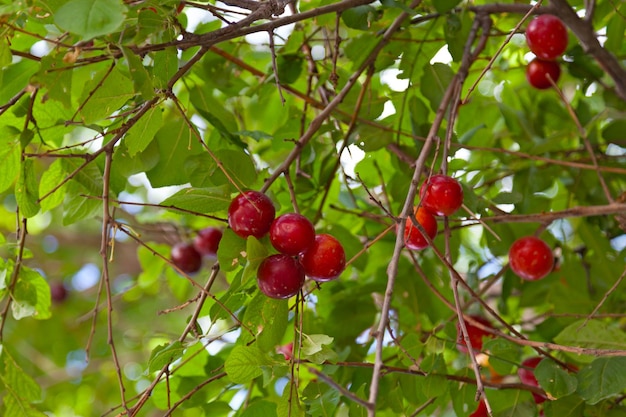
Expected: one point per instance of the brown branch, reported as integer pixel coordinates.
(104, 253)
(546, 218)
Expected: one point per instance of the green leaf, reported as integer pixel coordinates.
(56, 76)
(230, 250)
(200, 200)
(602, 378)
(360, 17)
(31, 296)
(42, 292)
(5, 267)
(615, 30)
(456, 31)
(289, 67)
(176, 142)
(467, 136)
(152, 266)
(556, 381)
(88, 178)
(274, 318)
(313, 343)
(320, 399)
(5, 53)
(255, 134)
(10, 152)
(138, 73)
(50, 180)
(90, 18)
(570, 406)
(372, 138)
(165, 354)
(503, 354)
(216, 122)
(165, 66)
(20, 390)
(256, 252)
(26, 190)
(105, 94)
(444, 6)
(614, 132)
(15, 77)
(508, 198)
(434, 83)
(203, 170)
(80, 207)
(244, 364)
(260, 409)
(141, 134)
(594, 334)
(515, 404)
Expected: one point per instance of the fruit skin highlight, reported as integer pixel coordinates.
(324, 260)
(546, 36)
(186, 257)
(531, 258)
(413, 237)
(291, 233)
(280, 276)
(538, 70)
(441, 195)
(251, 213)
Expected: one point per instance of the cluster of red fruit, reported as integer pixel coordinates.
(525, 372)
(546, 37)
(188, 256)
(440, 196)
(526, 376)
(302, 252)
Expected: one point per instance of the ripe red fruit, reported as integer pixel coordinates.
(413, 238)
(481, 410)
(324, 259)
(546, 36)
(280, 276)
(527, 375)
(286, 350)
(291, 233)
(538, 70)
(475, 334)
(58, 292)
(186, 257)
(531, 258)
(207, 241)
(441, 195)
(251, 214)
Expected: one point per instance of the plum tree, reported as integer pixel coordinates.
(130, 126)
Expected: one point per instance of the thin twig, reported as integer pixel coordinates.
(22, 231)
(604, 298)
(348, 394)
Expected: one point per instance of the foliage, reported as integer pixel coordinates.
(128, 126)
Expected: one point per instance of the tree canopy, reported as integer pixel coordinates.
(128, 127)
